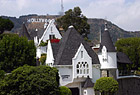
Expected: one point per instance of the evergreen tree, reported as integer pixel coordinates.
(131, 47)
(77, 19)
(16, 51)
(5, 24)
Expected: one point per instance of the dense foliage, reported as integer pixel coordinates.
(106, 85)
(64, 91)
(42, 59)
(77, 19)
(29, 80)
(15, 51)
(5, 24)
(131, 47)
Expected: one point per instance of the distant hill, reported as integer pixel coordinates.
(97, 26)
(34, 22)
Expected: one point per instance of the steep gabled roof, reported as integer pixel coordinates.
(24, 32)
(69, 45)
(55, 47)
(88, 83)
(107, 42)
(123, 58)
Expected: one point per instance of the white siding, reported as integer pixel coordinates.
(111, 62)
(65, 75)
(95, 73)
(85, 61)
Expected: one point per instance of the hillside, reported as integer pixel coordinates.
(96, 25)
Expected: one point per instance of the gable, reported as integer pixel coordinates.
(50, 30)
(81, 53)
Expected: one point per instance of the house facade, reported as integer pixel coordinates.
(78, 64)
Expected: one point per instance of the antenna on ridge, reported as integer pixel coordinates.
(62, 8)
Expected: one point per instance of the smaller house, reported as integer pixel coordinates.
(51, 32)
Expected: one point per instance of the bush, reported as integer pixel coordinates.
(65, 91)
(29, 80)
(106, 85)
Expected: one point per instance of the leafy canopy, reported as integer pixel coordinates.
(106, 85)
(64, 91)
(131, 47)
(29, 80)
(15, 51)
(5, 24)
(77, 19)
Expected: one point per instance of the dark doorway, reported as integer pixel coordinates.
(75, 91)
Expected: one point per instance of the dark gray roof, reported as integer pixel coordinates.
(69, 45)
(88, 83)
(24, 32)
(123, 58)
(107, 42)
(55, 47)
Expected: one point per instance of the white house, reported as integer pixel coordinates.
(79, 66)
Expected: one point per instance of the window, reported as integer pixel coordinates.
(51, 30)
(81, 54)
(82, 68)
(51, 37)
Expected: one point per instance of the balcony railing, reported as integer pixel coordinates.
(129, 72)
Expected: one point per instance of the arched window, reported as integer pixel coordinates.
(82, 68)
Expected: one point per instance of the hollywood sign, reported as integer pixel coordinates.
(37, 20)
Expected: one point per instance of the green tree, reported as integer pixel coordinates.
(29, 80)
(16, 51)
(106, 85)
(5, 24)
(131, 47)
(77, 19)
(64, 91)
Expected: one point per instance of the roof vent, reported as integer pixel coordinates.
(106, 26)
(71, 26)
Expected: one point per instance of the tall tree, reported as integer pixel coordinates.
(29, 80)
(77, 19)
(131, 47)
(5, 24)
(15, 51)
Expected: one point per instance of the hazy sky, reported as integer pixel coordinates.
(124, 13)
